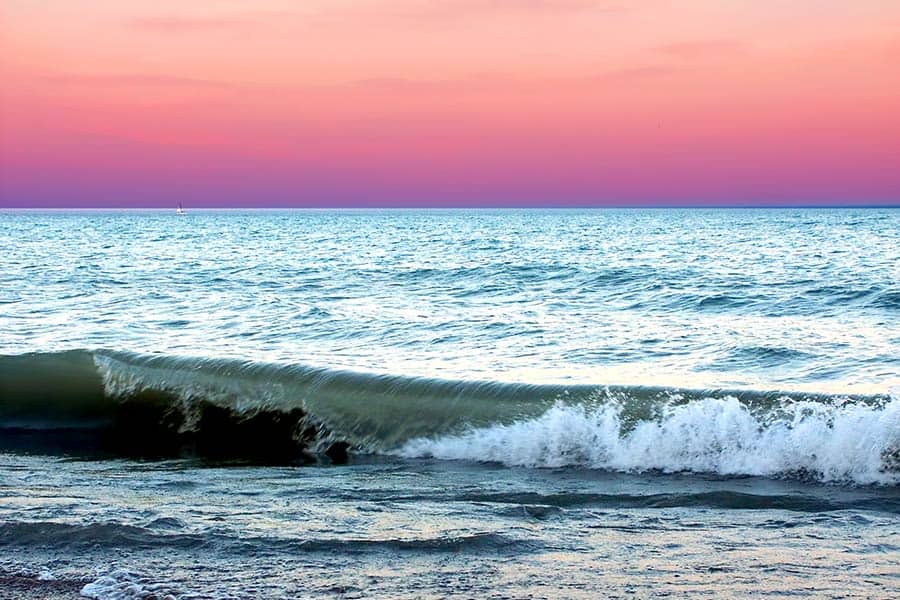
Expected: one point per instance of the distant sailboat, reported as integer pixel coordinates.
(180, 210)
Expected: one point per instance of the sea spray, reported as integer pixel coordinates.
(843, 442)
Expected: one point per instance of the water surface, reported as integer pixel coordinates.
(536, 403)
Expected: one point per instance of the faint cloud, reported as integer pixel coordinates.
(478, 81)
(170, 24)
(431, 13)
(452, 13)
(135, 80)
(395, 84)
(893, 49)
(184, 25)
(639, 73)
(463, 8)
(702, 49)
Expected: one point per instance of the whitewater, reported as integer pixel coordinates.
(234, 404)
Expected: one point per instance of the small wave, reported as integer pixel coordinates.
(109, 534)
(888, 299)
(756, 357)
(471, 543)
(846, 295)
(120, 535)
(720, 301)
(722, 499)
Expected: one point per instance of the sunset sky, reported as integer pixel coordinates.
(449, 103)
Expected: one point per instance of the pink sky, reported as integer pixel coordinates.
(439, 102)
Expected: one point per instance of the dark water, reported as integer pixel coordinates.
(426, 528)
(472, 403)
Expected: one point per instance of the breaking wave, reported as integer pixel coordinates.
(154, 405)
(840, 443)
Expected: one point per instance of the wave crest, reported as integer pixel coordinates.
(838, 443)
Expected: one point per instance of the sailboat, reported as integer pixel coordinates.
(180, 210)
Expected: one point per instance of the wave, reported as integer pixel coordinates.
(139, 404)
(719, 499)
(840, 443)
(113, 534)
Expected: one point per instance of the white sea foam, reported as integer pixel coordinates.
(848, 443)
(121, 584)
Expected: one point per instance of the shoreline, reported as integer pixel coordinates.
(16, 587)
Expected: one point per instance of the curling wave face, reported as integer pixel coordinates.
(136, 404)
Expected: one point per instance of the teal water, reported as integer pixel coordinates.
(516, 403)
(786, 299)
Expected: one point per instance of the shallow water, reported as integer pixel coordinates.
(535, 403)
(401, 528)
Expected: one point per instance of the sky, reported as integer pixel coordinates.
(268, 103)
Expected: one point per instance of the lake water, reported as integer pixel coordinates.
(511, 403)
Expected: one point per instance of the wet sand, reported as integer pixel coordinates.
(27, 588)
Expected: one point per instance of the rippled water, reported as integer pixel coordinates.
(431, 529)
(536, 403)
(760, 298)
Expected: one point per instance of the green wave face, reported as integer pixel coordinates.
(245, 408)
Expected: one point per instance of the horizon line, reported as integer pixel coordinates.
(463, 207)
